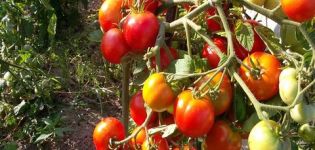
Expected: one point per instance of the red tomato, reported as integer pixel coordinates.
(140, 31)
(140, 138)
(165, 60)
(213, 24)
(109, 14)
(221, 137)
(156, 143)
(301, 10)
(106, 129)
(114, 46)
(193, 117)
(137, 110)
(265, 85)
(209, 52)
(223, 100)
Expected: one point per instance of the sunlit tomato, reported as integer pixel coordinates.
(266, 135)
(223, 99)
(193, 117)
(209, 52)
(214, 23)
(157, 94)
(108, 128)
(266, 75)
(139, 139)
(288, 85)
(156, 143)
(140, 31)
(137, 110)
(165, 60)
(149, 5)
(113, 46)
(301, 10)
(222, 137)
(109, 14)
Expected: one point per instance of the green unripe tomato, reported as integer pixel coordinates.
(288, 90)
(265, 135)
(257, 2)
(271, 4)
(7, 76)
(2, 84)
(307, 133)
(288, 73)
(303, 113)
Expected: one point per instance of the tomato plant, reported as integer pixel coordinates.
(302, 10)
(288, 85)
(106, 129)
(307, 132)
(114, 46)
(263, 74)
(138, 111)
(222, 98)
(149, 5)
(222, 137)
(155, 142)
(136, 142)
(157, 94)
(109, 14)
(189, 111)
(209, 52)
(165, 59)
(140, 30)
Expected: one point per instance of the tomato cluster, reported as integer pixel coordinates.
(203, 108)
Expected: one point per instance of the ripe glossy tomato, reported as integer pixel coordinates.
(109, 14)
(213, 24)
(114, 46)
(140, 31)
(265, 135)
(223, 99)
(301, 10)
(157, 94)
(156, 143)
(193, 117)
(140, 138)
(209, 52)
(137, 110)
(265, 83)
(165, 60)
(222, 137)
(106, 129)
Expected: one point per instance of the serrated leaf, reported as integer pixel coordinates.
(43, 137)
(19, 107)
(181, 66)
(245, 35)
(270, 39)
(95, 36)
(169, 130)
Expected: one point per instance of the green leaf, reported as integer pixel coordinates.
(43, 137)
(52, 26)
(95, 36)
(270, 39)
(46, 4)
(170, 129)
(17, 109)
(239, 105)
(10, 146)
(245, 35)
(181, 66)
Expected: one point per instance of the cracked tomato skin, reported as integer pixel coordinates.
(189, 112)
(114, 46)
(224, 98)
(140, 31)
(222, 137)
(267, 85)
(157, 94)
(108, 128)
(110, 14)
(301, 10)
(137, 110)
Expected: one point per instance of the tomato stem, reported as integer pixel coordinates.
(126, 67)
